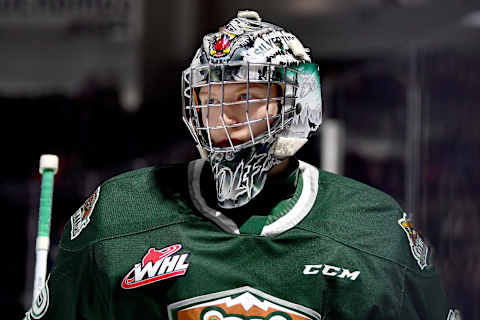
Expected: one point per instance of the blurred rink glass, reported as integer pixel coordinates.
(401, 90)
(411, 129)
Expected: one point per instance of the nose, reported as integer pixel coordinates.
(231, 115)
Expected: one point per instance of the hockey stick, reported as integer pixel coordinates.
(48, 168)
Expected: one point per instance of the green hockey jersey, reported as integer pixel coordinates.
(148, 245)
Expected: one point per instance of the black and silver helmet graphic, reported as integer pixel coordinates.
(250, 54)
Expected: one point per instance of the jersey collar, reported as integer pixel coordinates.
(299, 208)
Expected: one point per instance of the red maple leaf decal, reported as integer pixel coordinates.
(153, 255)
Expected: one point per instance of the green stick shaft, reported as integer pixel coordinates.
(46, 196)
(43, 235)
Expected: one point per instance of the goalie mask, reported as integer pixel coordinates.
(251, 98)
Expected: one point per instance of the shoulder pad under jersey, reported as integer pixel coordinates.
(367, 219)
(130, 203)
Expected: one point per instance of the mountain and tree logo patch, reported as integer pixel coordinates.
(81, 218)
(239, 304)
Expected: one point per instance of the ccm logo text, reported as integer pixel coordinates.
(331, 271)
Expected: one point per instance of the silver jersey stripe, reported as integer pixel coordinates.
(194, 172)
(303, 206)
(299, 211)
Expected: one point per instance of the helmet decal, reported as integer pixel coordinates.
(221, 47)
(258, 42)
(309, 97)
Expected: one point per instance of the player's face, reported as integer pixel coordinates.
(237, 113)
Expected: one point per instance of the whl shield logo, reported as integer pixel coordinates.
(243, 303)
(157, 265)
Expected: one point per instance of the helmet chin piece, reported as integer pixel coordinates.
(203, 152)
(287, 146)
(240, 176)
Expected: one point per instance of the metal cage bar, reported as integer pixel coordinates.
(248, 104)
(223, 115)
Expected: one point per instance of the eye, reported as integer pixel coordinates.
(213, 101)
(243, 96)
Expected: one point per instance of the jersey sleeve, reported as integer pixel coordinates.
(424, 297)
(71, 290)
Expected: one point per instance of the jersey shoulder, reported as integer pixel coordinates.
(133, 202)
(365, 218)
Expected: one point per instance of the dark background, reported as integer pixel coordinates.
(98, 83)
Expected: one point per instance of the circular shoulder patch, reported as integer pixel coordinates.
(40, 306)
(454, 315)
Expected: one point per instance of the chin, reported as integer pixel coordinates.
(235, 137)
(226, 143)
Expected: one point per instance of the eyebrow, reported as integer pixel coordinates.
(238, 88)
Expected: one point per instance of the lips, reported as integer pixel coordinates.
(226, 143)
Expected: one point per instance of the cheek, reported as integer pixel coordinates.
(260, 112)
(213, 115)
(273, 109)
